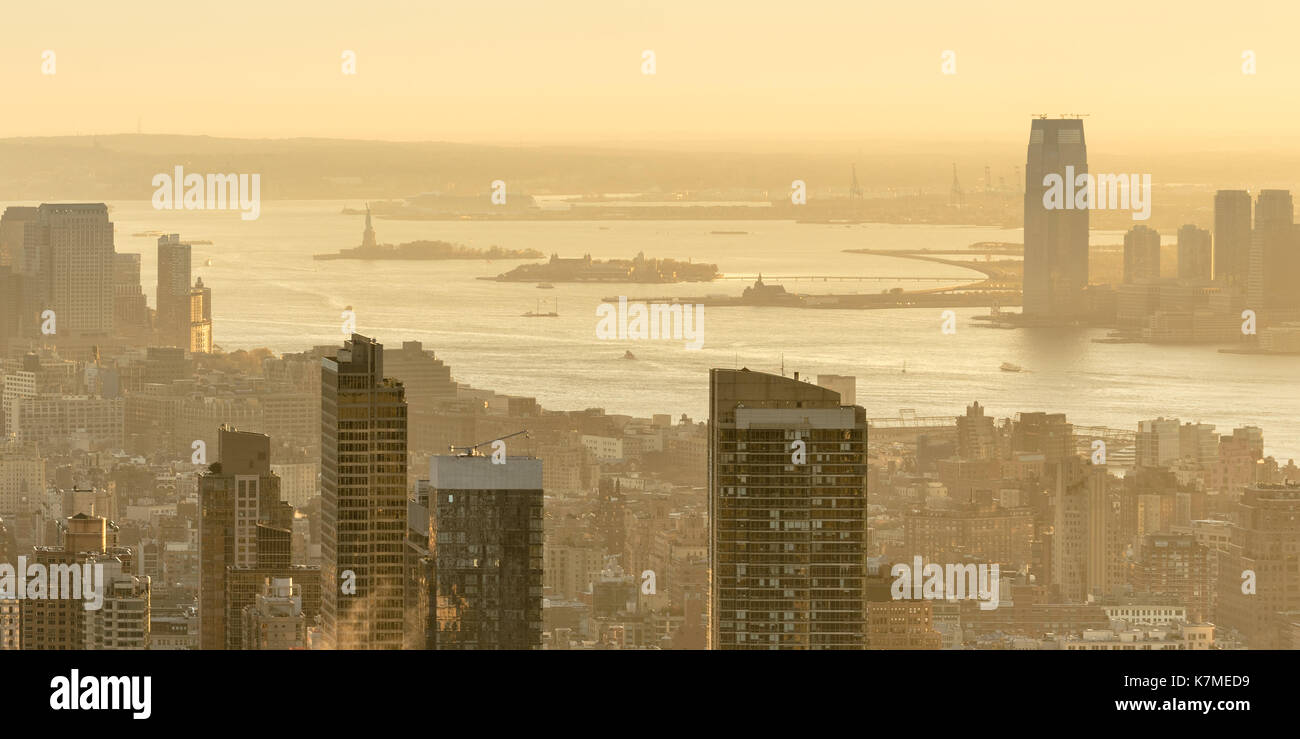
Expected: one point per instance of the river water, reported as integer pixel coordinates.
(268, 291)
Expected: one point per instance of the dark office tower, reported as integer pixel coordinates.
(235, 495)
(1056, 238)
(1259, 585)
(273, 561)
(1178, 566)
(13, 229)
(12, 288)
(976, 436)
(1275, 243)
(486, 574)
(173, 298)
(1082, 530)
(787, 521)
(71, 246)
(418, 570)
(22, 298)
(1046, 433)
(1194, 254)
(1141, 254)
(363, 499)
(1232, 236)
(1254, 285)
(130, 310)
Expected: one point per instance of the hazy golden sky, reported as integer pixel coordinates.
(539, 71)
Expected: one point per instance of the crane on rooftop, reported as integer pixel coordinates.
(471, 451)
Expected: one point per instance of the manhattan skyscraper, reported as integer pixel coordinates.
(787, 514)
(173, 296)
(363, 499)
(486, 589)
(72, 246)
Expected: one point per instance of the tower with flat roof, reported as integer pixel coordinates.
(787, 514)
(1056, 239)
(1232, 211)
(486, 551)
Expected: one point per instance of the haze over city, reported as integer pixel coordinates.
(747, 75)
(593, 326)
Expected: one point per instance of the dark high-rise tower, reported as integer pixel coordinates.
(1194, 254)
(130, 310)
(363, 499)
(788, 523)
(1056, 239)
(486, 579)
(1232, 236)
(71, 247)
(237, 494)
(173, 297)
(1261, 540)
(1274, 250)
(1141, 254)
(21, 292)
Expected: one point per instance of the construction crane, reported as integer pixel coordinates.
(469, 451)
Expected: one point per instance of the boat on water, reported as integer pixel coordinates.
(629, 355)
(545, 286)
(539, 314)
(1009, 367)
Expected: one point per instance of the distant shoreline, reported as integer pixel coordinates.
(428, 251)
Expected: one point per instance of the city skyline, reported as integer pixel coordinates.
(645, 326)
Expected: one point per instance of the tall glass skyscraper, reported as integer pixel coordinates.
(788, 522)
(1056, 239)
(173, 296)
(363, 499)
(1232, 237)
(486, 584)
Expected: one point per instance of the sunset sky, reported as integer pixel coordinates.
(526, 71)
